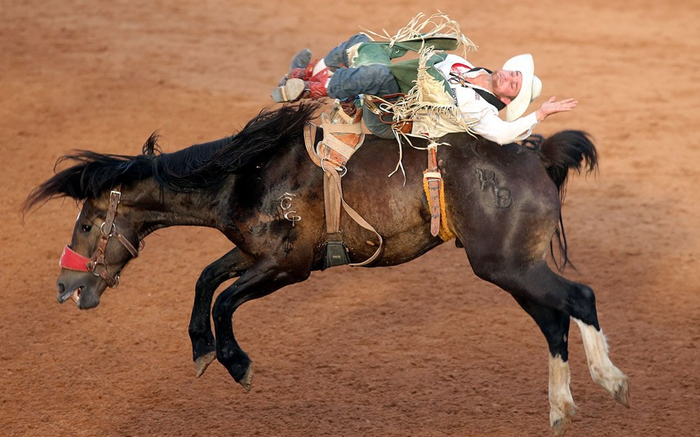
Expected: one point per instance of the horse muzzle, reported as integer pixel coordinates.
(85, 289)
(64, 295)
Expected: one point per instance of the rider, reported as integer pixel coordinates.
(478, 92)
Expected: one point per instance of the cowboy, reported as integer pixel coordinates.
(479, 93)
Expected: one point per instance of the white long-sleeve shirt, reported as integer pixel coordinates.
(474, 108)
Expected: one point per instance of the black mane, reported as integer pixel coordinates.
(198, 166)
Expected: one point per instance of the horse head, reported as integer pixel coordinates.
(103, 242)
(105, 237)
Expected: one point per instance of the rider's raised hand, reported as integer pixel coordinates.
(551, 106)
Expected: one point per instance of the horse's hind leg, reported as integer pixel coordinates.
(228, 266)
(554, 325)
(544, 294)
(578, 301)
(603, 371)
(258, 281)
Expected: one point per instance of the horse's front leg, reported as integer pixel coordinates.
(258, 281)
(228, 266)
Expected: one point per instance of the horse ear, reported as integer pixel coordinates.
(150, 147)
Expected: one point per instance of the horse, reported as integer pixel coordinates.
(502, 203)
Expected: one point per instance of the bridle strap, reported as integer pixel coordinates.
(98, 257)
(127, 245)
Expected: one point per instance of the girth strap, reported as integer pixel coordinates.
(434, 178)
(434, 188)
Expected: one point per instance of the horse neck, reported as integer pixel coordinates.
(151, 207)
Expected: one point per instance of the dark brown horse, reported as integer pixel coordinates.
(502, 203)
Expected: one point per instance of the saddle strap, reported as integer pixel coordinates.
(310, 141)
(335, 190)
(333, 196)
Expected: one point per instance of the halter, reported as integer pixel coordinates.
(72, 260)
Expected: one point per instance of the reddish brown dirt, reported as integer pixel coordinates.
(423, 349)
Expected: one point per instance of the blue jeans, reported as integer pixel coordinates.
(376, 80)
(348, 83)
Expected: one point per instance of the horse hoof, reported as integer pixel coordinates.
(622, 393)
(560, 419)
(247, 380)
(203, 362)
(560, 426)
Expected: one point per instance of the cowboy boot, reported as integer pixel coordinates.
(301, 67)
(298, 73)
(314, 90)
(290, 91)
(301, 59)
(296, 89)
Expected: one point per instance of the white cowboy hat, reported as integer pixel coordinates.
(531, 87)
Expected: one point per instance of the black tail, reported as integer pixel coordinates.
(570, 149)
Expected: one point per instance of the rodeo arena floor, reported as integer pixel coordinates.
(421, 349)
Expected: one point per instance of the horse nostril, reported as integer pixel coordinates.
(61, 288)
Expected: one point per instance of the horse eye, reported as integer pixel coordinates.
(85, 228)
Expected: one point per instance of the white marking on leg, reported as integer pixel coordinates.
(562, 407)
(603, 371)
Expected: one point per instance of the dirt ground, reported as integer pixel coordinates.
(351, 352)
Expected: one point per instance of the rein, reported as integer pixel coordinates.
(72, 260)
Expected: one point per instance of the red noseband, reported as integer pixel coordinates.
(72, 260)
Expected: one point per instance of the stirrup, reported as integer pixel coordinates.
(288, 92)
(335, 253)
